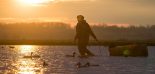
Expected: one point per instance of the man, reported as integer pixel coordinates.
(83, 32)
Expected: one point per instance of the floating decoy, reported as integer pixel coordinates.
(78, 65)
(32, 56)
(73, 55)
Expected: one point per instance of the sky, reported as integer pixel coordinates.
(141, 12)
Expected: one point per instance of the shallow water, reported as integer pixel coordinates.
(12, 61)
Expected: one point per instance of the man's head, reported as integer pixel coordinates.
(80, 17)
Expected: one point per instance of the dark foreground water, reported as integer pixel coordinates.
(12, 61)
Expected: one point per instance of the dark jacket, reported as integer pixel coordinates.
(83, 31)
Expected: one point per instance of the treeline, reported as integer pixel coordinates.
(62, 31)
(125, 33)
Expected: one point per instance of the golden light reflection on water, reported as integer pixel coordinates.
(28, 65)
(26, 49)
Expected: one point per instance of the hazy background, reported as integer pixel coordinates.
(56, 19)
(57, 31)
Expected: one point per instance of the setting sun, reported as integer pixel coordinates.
(34, 2)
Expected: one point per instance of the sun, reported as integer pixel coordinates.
(35, 2)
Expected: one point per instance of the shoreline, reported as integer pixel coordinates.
(67, 43)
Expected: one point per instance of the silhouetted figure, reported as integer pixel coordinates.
(83, 32)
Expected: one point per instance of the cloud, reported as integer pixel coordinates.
(111, 11)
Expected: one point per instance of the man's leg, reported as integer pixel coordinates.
(85, 52)
(89, 53)
(82, 47)
(81, 50)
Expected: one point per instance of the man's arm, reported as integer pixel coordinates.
(76, 35)
(92, 33)
(75, 38)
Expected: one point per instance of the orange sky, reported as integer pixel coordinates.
(100, 11)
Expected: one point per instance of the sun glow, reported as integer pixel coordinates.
(26, 49)
(35, 2)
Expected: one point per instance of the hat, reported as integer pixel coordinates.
(80, 16)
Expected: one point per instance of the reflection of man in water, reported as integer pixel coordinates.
(83, 32)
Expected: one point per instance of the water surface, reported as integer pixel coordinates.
(12, 61)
